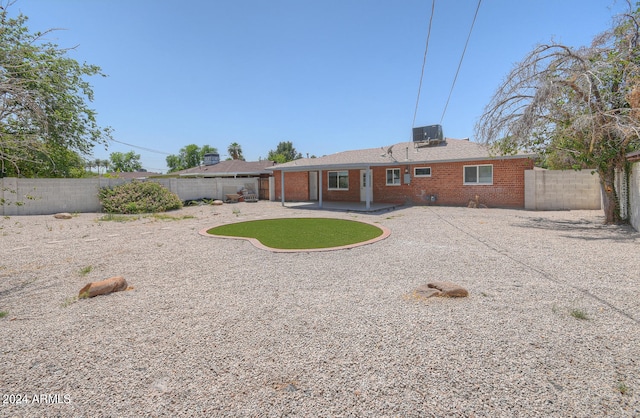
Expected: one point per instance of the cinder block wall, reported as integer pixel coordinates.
(634, 196)
(47, 196)
(562, 190)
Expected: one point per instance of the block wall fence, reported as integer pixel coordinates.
(562, 190)
(541, 190)
(48, 196)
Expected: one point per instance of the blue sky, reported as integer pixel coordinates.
(327, 75)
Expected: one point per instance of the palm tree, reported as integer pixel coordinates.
(235, 151)
(98, 163)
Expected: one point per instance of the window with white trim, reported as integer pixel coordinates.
(422, 172)
(393, 176)
(478, 174)
(338, 180)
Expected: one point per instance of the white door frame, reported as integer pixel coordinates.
(313, 185)
(366, 189)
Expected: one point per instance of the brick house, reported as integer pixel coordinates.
(447, 172)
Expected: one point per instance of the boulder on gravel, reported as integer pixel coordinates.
(449, 289)
(103, 287)
(441, 289)
(217, 202)
(63, 215)
(424, 291)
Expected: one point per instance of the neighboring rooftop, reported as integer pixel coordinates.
(228, 168)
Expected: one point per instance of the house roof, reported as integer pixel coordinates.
(398, 154)
(228, 168)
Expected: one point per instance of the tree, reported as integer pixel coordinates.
(578, 106)
(43, 98)
(51, 161)
(189, 156)
(173, 162)
(283, 153)
(235, 151)
(207, 149)
(124, 162)
(97, 163)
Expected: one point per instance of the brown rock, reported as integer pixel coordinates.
(449, 289)
(424, 291)
(63, 215)
(113, 284)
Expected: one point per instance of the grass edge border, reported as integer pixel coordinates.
(385, 233)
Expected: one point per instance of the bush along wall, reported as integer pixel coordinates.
(138, 197)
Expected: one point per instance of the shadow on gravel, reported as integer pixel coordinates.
(584, 229)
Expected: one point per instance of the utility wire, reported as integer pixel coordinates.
(424, 61)
(142, 148)
(460, 63)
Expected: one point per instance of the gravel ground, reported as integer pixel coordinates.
(218, 327)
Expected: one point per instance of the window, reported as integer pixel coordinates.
(393, 176)
(422, 172)
(338, 180)
(478, 174)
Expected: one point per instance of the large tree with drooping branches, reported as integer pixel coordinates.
(44, 98)
(578, 105)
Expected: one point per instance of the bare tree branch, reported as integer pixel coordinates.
(582, 103)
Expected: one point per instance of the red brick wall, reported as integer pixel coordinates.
(296, 186)
(446, 182)
(351, 195)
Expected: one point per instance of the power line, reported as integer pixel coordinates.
(460, 63)
(142, 148)
(424, 61)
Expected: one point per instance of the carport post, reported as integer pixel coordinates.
(282, 186)
(319, 188)
(368, 188)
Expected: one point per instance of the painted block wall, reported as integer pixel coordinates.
(48, 196)
(562, 190)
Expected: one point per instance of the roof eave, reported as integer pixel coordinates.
(363, 165)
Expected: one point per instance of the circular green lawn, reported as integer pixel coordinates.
(301, 233)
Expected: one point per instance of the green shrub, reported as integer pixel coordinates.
(138, 197)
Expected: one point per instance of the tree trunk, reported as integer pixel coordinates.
(610, 200)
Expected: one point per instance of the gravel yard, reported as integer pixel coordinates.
(218, 327)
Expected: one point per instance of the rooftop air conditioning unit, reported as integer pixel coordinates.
(428, 135)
